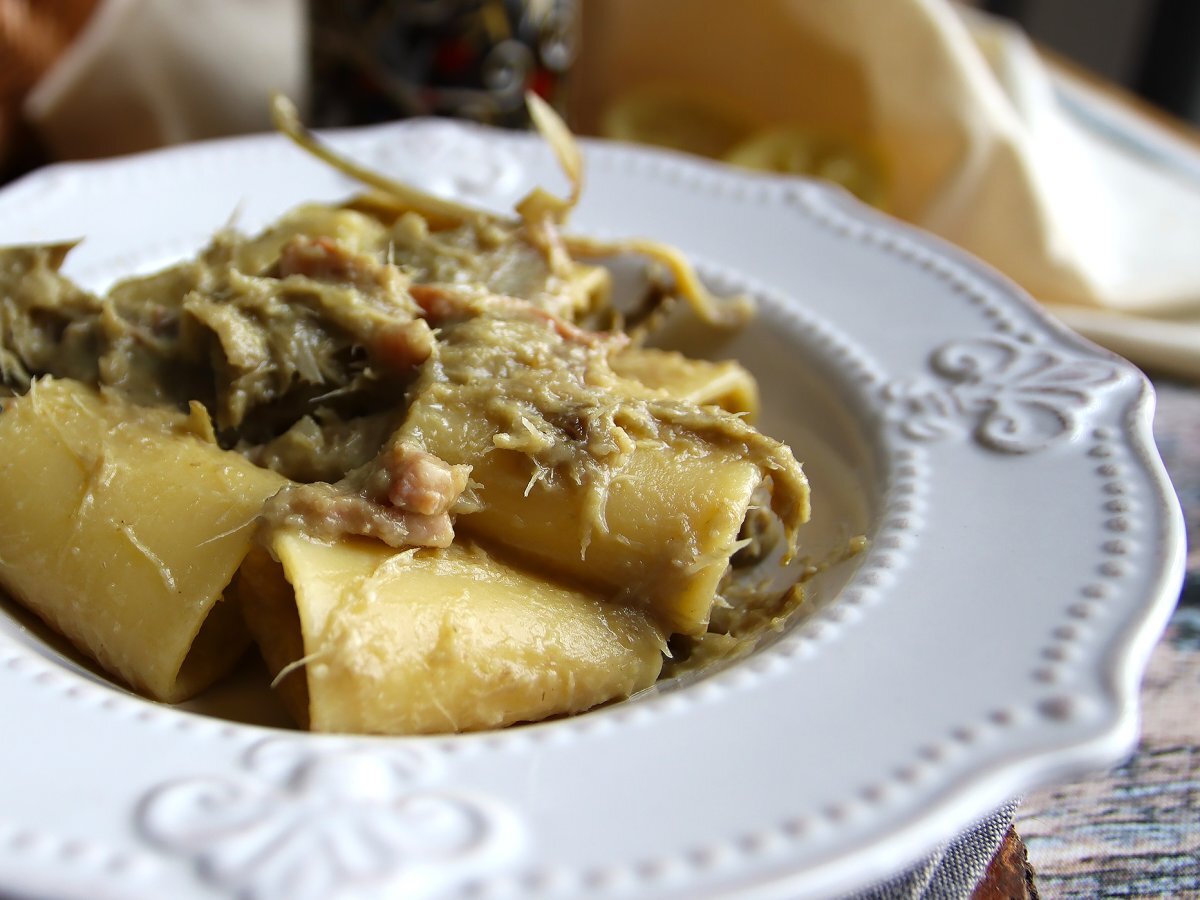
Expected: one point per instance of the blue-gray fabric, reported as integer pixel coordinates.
(955, 869)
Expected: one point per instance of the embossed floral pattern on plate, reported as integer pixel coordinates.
(301, 821)
(1010, 396)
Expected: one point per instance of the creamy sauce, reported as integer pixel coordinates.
(428, 381)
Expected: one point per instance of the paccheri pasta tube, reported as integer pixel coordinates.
(413, 446)
(725, 384)
(122, 526)
(594, 477)
(426, 641)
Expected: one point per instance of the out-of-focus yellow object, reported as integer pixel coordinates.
(796, 150)
(679, 119)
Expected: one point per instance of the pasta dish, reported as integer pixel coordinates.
(410, 450)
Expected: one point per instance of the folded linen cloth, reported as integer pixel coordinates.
(145, 73)
(975, 142)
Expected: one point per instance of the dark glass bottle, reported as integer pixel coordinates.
(377, 60)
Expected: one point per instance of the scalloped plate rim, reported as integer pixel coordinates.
(984, 788)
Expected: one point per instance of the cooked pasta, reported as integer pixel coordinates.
(423, 641)
(122, 527)
(410, 447)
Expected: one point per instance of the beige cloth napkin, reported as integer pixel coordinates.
(976, 143)
(145, 73)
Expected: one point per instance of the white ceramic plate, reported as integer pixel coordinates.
(1025, 550)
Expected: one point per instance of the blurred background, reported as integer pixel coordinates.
(1055, 139)
(371, 60)
(937, 111)
(1151, 47)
